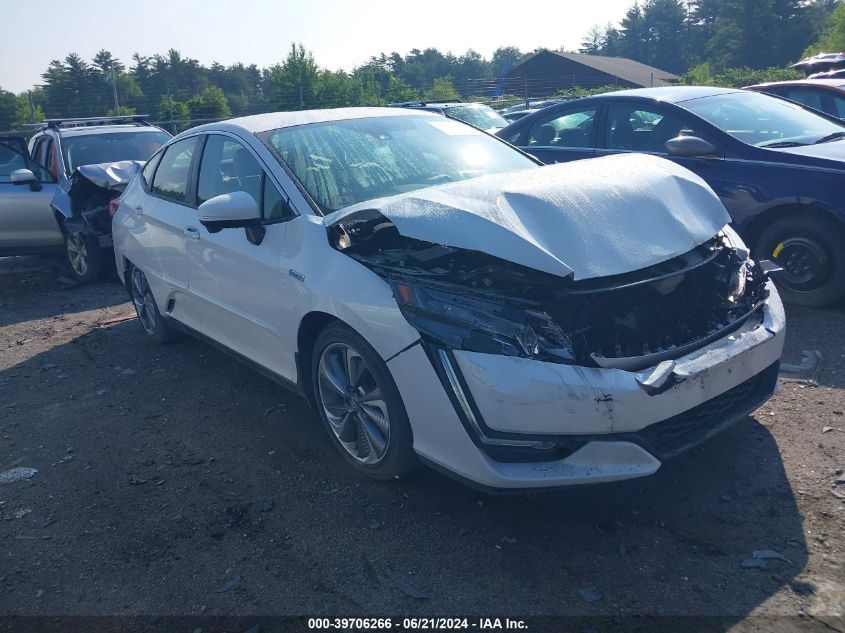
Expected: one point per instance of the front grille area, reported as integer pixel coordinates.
(686, 430)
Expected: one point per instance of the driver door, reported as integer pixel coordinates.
(27, 223)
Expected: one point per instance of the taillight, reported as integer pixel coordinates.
(113, 205)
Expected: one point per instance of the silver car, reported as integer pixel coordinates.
(56, 192)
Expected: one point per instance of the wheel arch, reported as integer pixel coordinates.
(309, 329)
(753, 229)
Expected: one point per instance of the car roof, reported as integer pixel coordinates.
(90, 130)
(275, 120)
(829, 83)
(669, 94)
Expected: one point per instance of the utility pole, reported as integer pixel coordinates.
(31, 106)
(114, 87)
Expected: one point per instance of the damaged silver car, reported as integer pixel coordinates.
(59, 193)
(438, 296)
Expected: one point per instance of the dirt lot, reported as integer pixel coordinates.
(172, 480)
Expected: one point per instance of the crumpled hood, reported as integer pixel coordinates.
(112, 175)
(589, 218)
(104, 175)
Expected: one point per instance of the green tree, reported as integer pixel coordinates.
(504, 58)
(833, 36)
(8, 109)
(442, 90)
(399, 91)
(211, 103)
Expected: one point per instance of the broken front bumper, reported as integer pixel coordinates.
(507, 422)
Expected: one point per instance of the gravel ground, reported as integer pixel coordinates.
(174, 481)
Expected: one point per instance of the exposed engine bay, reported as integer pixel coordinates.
(469, 300)
(90, 200)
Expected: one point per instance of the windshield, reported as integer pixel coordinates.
(341, 163)
(481, 116)
(761, 120)
(110, 147)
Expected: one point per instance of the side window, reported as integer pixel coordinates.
(838, 106)
(10, 160)
(572, 129)
(810, 98)
(49, 159)
(644, 129)
(37, 146)
(276, 206)
(228, 166)
(149, 168)
(13, 156)
(171, 177)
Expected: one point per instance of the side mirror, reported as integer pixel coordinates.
(689, 146)
(228, 211)
(25, 177)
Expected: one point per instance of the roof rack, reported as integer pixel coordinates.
(139, 119)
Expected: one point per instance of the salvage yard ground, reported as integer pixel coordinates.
(173, 480)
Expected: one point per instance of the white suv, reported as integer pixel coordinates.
(55, 194)
(435, 294)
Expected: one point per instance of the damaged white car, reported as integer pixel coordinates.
(437, 296)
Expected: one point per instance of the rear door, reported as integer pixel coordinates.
(27, 223)
(165, 228)
(560, 136)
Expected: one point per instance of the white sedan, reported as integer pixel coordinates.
(438, 296)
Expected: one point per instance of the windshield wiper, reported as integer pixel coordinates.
(831, 137)
(782, 144)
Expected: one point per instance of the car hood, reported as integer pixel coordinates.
(104, 175)
(827, 154)
(590, 218)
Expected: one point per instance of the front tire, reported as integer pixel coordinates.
(360, 405)
(811, 253)
(145, 307)
(85, 257)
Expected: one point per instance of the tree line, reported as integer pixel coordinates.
(725, 42)
(677, 35)
(172, 87)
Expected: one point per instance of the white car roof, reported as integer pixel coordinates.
(275, 120)
(86, 130)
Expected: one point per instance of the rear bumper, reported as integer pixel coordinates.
(505, 422)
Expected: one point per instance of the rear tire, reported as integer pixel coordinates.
(811, 253)
(145, 307)
(360, 405)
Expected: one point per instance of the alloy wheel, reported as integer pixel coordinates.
(77, 254)
(144, 302)
(353, 403)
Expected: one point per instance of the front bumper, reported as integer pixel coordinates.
(506, 422)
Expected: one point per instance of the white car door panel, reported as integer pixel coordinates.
(243, 289)
(164, 216)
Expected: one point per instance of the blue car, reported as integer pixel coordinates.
(778, 168)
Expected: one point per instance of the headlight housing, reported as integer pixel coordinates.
(481, 323)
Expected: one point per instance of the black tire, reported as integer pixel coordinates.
(149, 317)
(397, 457)
(812, 253)
(87, 260)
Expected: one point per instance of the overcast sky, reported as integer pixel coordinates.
(340, 34)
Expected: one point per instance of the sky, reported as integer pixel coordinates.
(341, 34)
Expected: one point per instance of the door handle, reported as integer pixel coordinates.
(192, 232)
